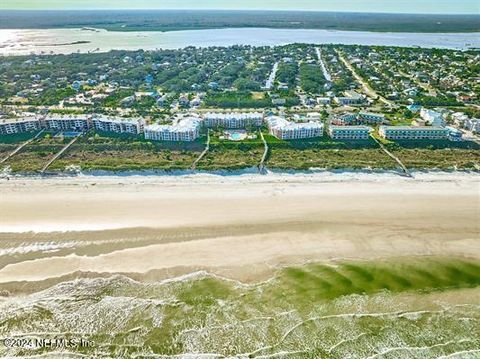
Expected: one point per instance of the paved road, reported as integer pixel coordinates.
(271, 77)
(366, 87)
(326, 74)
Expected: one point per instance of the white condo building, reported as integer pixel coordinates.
(187, 129)
(344, 119)
(472, 124)
(19, 125)
(233, 119)
(371, 118)
(78, 123)
(349, 132)
(286, 130)
(412, 132)
(350, 98)
(119, 125)
(358, 119)
(431, 117)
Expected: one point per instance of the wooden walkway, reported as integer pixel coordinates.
(261, 166)
(62, 151)
(391, 155)
(19, 148)
(204, 152)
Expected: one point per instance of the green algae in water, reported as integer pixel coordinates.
(403, 308)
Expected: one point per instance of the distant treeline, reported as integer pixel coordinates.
(170, 20)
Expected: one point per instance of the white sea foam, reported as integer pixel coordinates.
(24, 248)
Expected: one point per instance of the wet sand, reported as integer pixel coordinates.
(241, 227)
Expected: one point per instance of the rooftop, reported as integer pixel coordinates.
(233, 115)
(351, 128)
(17, 120)
(104, 118)
(282, 124)
(183, 125)
(406, 128)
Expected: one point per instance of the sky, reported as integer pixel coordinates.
(388, 6)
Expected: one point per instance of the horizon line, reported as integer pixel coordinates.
(250, 10)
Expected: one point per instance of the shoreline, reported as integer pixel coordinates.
(232, 173)
(185, 29)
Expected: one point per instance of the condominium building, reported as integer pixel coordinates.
(78, 123)
(118, 125)
(344, 119)
(412, 132)
(19, 125)
(349, 132)
(472, 124)
(454, 134)
(286, 130)
(324, 100)
(371, 118)
(233, 119)
(431, 117)
(187, 129)
(308, 117)
(350, 98)
(358, 119)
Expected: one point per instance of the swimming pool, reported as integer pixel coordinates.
(237, 135)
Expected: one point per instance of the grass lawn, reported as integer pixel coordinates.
(258, 95)
(226, 143)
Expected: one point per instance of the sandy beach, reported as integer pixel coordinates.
(242, 266)
(242, 227)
